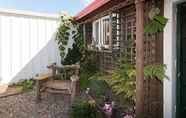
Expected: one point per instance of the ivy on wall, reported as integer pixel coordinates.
(75, 54)
(69, 30)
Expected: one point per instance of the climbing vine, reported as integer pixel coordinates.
(156, 23)
(70, 40)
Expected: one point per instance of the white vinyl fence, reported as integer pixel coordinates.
(27, 44)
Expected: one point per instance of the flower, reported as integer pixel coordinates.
(108, 109)
(92, 102)
(128, 116)
(87, 90)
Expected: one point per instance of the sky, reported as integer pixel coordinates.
(49, 6)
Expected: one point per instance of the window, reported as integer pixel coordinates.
(101, 32)
(96, 36)
(106, 31)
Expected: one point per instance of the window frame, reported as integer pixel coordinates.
(102, 35)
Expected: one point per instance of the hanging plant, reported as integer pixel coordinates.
(157, 22)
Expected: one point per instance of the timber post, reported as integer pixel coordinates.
(139, 58)
(38, 87)
(75, 84)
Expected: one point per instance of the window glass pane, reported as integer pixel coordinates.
(97, 32)
(106, 30)
(101, 32)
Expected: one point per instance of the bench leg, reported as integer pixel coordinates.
(38, 92)
(75, 87)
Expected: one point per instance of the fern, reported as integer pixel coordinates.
(123, 82)
(155, 71)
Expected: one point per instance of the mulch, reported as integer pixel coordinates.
(24, 106)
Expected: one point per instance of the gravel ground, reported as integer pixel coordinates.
(24, 106)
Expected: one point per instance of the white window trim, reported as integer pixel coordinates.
(94, 41)
(101, 35)
(170, 59)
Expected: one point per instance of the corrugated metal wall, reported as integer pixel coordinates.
(27, 46)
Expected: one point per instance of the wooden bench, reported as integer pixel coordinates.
(46, 82)
(43, 77)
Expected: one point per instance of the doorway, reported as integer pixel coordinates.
(181, 57)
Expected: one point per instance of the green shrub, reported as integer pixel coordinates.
(25, 85)
(88, 68)
(84, 109)
(98, 86)
(123, 84)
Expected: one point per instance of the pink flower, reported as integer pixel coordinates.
(128, 116)
(108, 109)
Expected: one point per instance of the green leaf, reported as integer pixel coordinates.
(161, 19)
(157, 24)
(155, 71)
